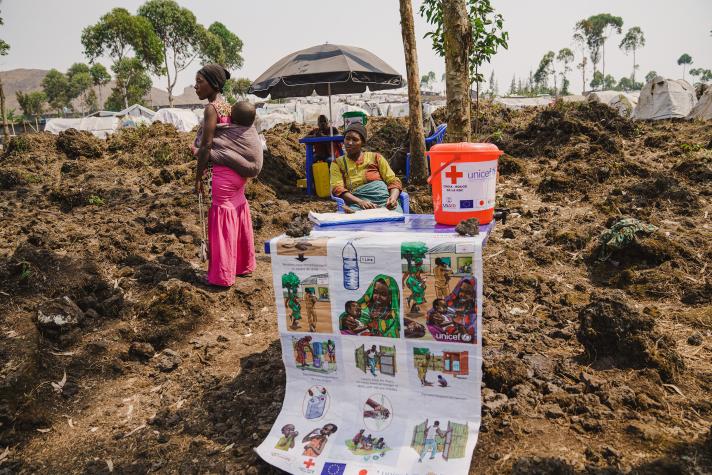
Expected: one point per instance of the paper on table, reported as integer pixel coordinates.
(363, 216)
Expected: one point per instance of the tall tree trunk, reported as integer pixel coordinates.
(456, 30)
(419, 170)
(5, 129)
(168, 76)
(603, 58)
(633, 78)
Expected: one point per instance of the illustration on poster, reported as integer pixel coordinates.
(376, 313)
(316, 440)
(376, 361)
(427, 276)
(367, 446)
(430, 439)
(307, 297)
(314, 355)
(316, 402)
(289, 434)
(377, 412)
(448, 364)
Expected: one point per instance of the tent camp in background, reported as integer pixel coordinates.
(703, 109)
(520, 102)
(100, 127)
(665, 99)
(623, 102)
(183, 119)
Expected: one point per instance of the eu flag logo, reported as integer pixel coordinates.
(466, 204)
(331, 468)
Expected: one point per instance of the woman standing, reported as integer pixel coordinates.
(230, 238)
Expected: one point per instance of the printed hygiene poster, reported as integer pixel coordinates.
(381, 340)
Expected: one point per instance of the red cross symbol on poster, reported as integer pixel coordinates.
(309, 463)
(453, 175)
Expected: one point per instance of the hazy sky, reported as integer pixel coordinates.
(46, 33)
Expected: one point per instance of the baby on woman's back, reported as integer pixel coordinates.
(237, 145)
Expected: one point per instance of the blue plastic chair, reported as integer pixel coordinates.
(404, 200)
(437, 137)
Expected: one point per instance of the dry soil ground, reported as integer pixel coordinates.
(596, 360)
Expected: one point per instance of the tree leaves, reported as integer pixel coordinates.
(487, 33)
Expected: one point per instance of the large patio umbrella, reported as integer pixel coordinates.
(326, 69)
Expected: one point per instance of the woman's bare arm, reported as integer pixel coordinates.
(210, 120)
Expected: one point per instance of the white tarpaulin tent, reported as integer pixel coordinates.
(137, 110)
(183, 119)
(703, 109)
(623, 102)
(665, 99)
(100, 127)
(522, 102)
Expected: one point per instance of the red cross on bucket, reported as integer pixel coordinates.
(309, 463)
(453, 175)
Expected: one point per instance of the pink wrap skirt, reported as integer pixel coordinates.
(230, 237)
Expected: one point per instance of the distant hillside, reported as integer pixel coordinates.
(27, 80)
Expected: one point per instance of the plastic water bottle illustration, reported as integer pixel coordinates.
(350, 258)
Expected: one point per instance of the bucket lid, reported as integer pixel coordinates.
(466, 147)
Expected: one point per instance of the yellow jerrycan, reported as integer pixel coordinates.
(320, 171)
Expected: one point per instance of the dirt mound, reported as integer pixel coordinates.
(503, 374)
(697, 169)
(610, 327)
(175, 308)
(389, 137)
(75, 144)
(660, 191)
(285, 158)
(570, 123)
(38, 144)
(156, 145)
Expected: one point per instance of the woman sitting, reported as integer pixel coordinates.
(364, 180)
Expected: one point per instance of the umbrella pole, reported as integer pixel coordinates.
(331, 127)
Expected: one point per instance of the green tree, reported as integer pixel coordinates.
(230, 52)
(650, 76)
(683, 61)
(132, 84)
(236, 88)
(609, 82)
(31, 103)
(633, 40)
(586, 35)
(486, 36)
(184, 40)
(580, 40)
(99, 77)
(79, 85)
(512, 86)
(604, 25)
(413, 252)
(565, 57)
(119, 34)
(427, 80)
(493, 87)
(627, 84)
(597, 80)
(705, 75)
(545, 69)
(56, 87)
(290, 282)
(4, 49)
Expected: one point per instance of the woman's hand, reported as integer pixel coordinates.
(365, 204)
(392, 202)
(199, 187)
